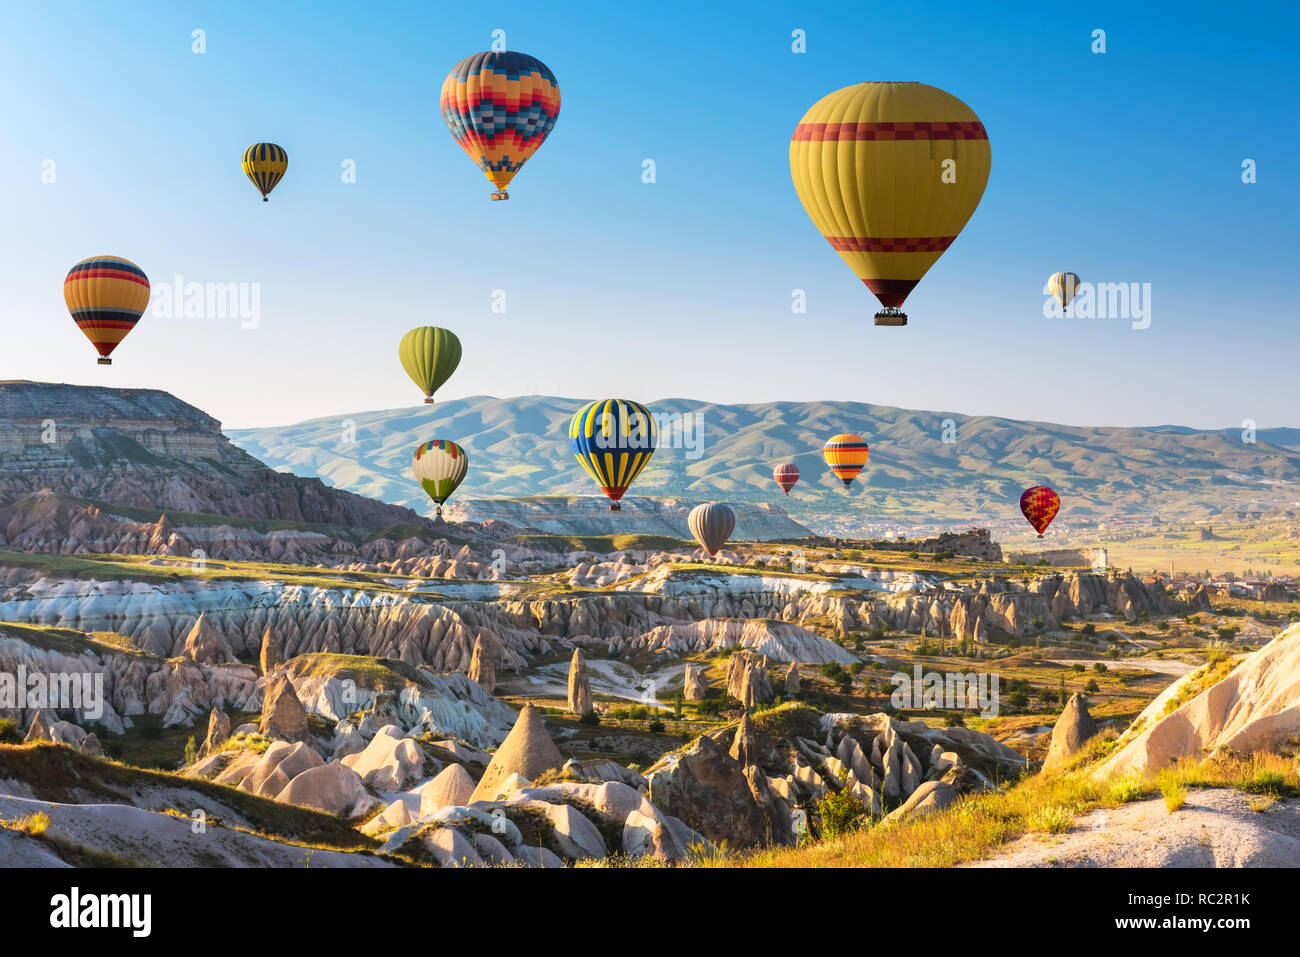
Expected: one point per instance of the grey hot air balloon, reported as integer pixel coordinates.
(712, 524)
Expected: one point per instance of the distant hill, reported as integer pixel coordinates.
(519, 447)
(142, 448)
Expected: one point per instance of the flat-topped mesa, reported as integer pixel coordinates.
(143, 448)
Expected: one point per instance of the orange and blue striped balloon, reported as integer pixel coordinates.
(846, 453)
(265, 164)
(500, 106)
(613, 440)
(106, 296)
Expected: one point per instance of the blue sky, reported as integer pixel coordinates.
(1123, 167)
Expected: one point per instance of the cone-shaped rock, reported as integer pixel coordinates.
(527, 751)
(743, 747)
(695, 686)
(481, 668)
(1073, 729)
(283, 716)
(792, 682)
(579, 684)
(218, 731)
(206, 645)
(272, 655)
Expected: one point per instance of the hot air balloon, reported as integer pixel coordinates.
(786, 476)
(440, 466)
(264, 164)
(106, 296)
(500, 107)
(711, 524)
(890, 173)
(1063, 286)
(846, 454)
(1040, 505)
(613, 439)
(429, 355)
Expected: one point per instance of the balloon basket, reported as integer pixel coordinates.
(428, 400)
(616, 507)
(266, 199)
(891, 317)
(501, 194)
(104, 361)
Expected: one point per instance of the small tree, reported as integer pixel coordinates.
(191, 751)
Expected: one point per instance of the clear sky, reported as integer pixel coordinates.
(1122, 167)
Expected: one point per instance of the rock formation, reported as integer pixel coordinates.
(206, 645)
(1073, 729)
(481, 668)
(527, 751)
(283, 716)
(271, 655)
(579, 685)
(1254, 708)
(218, 732)
(747, 680)
(792, 684)
(695, 687)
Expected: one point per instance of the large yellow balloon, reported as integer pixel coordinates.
(890, 173)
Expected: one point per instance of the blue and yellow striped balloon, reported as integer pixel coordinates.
(613, 439)
(265, 164)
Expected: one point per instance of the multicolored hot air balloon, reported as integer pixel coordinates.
(500, 106)
(711, 524)
(890, 173)
(429, 355)
(786, 476)
(1063, 286)
(613, 439)
(265, 164)
(846, 453)
(1040, 505)
(106, 295)
(440, 466)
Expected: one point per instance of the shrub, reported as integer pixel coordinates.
(1076, 667)
(590, 719)
(841, 813)
(9, 733)
(1091, 687)
(1089, 629)
(191, 751)
(656, 726)
(1100, 668)
(1053, 819)
(1175, 795)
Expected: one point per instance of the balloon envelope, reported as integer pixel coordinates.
(613, 440)
(265, 164)
(439, 466)
(106, 296)
(889, 174)
(846, 453)
(1040, 505)
(429, 355)
(500, 106)
(1063, 286)
(786, 476)
(711, 524)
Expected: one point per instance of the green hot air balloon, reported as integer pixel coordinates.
(429, 355)
(440, 466)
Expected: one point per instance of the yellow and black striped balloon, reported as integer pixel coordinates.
(265, 164)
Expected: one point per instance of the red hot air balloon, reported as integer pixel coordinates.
(786, 476)
(711, 524)
(1040, 505)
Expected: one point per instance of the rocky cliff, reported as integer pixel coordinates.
(147, 449)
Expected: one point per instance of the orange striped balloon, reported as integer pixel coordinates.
(106, 296)
(846, 453)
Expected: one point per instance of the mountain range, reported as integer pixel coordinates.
(926, 468)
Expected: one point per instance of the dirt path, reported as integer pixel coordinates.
(1215, 828)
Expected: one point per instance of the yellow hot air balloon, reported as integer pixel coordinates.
(890, 173)
(1063, 286)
